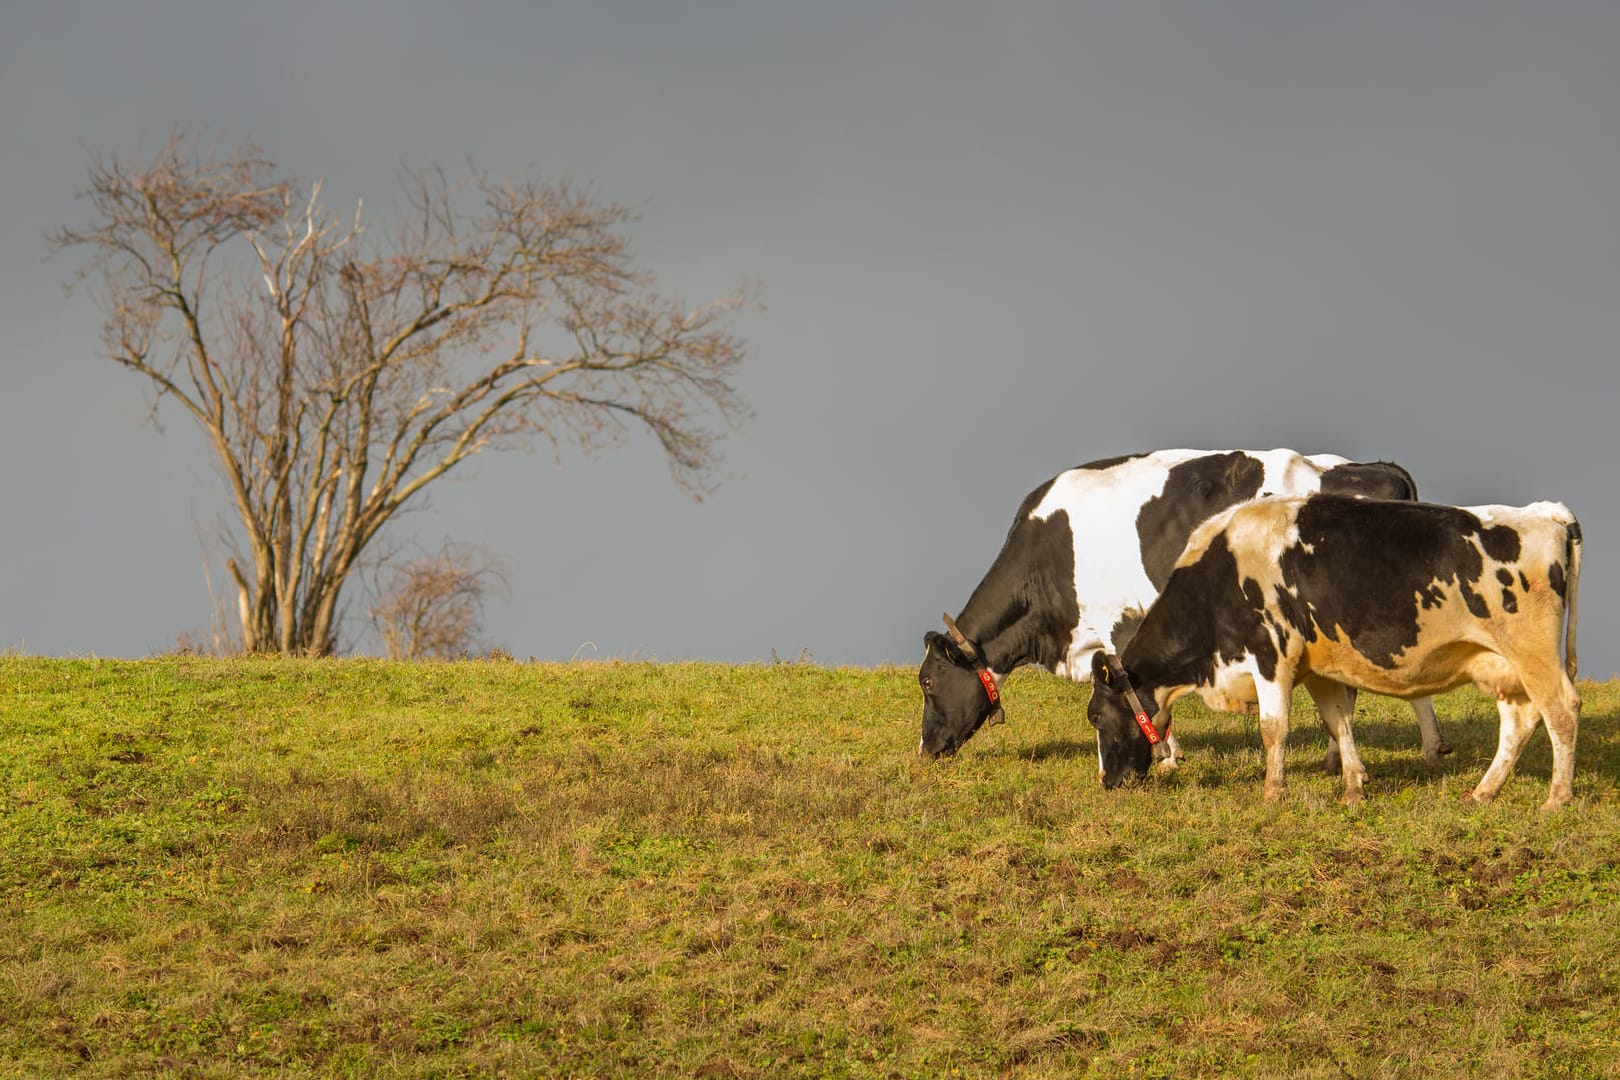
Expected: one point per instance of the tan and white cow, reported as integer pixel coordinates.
(1398, 598)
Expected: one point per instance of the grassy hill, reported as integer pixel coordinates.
(235, 868)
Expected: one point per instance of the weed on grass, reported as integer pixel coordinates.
(236, 868)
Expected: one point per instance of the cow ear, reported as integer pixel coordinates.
(1101, 674)
(948, 650)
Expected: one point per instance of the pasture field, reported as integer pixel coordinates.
(225, 868)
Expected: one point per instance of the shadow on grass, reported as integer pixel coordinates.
(1050, 750)
(1391, 748)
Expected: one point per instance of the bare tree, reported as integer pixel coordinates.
(336, 377)
(432, 607)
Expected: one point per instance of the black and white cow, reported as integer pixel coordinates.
(1087, 554)
(1405, 599)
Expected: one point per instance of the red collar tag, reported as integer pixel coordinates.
(1147, 727)
(990, 689)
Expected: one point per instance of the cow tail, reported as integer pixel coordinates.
(1574, 582)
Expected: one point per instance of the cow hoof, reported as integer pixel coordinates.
(1351, 798)
(1478, 797)
(1444, 748)
(1554, 802)
(1274, 795)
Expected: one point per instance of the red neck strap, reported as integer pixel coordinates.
(1142, 721)
(1135, 702)
(991, 691)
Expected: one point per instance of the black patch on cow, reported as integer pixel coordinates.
(1555, 578)
(1476, 603)
(1024, 610)
(1205, 616)
(1108, 463)
(1295, 614)
(1194, 491)
(1501, 542)
(1524, 581)
(1510, 603)
(1371, 564)
(1371, 480)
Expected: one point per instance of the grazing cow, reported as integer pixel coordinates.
(1087, 554)
(1405, 599)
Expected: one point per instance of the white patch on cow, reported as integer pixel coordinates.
(1102, 505)
(1233, 689)
(1289, 473)
(1242, 524)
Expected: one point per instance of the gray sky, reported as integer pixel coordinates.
(993, 241)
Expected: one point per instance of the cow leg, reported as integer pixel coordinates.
(1434, 744)
(1274, 705)
(1167, 753)
(1548, 695)
(1331, 764)
(1334, 702)
(1563, 717)
(1518, 723)
(1560, 706)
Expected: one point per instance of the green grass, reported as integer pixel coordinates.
(236, 868)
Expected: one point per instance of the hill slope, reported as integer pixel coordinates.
(229, 868)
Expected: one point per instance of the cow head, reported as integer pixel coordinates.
(1123, 750)
(955, 698)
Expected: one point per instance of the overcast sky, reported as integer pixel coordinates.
(992, 241)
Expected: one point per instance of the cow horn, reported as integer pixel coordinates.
(960, 638)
